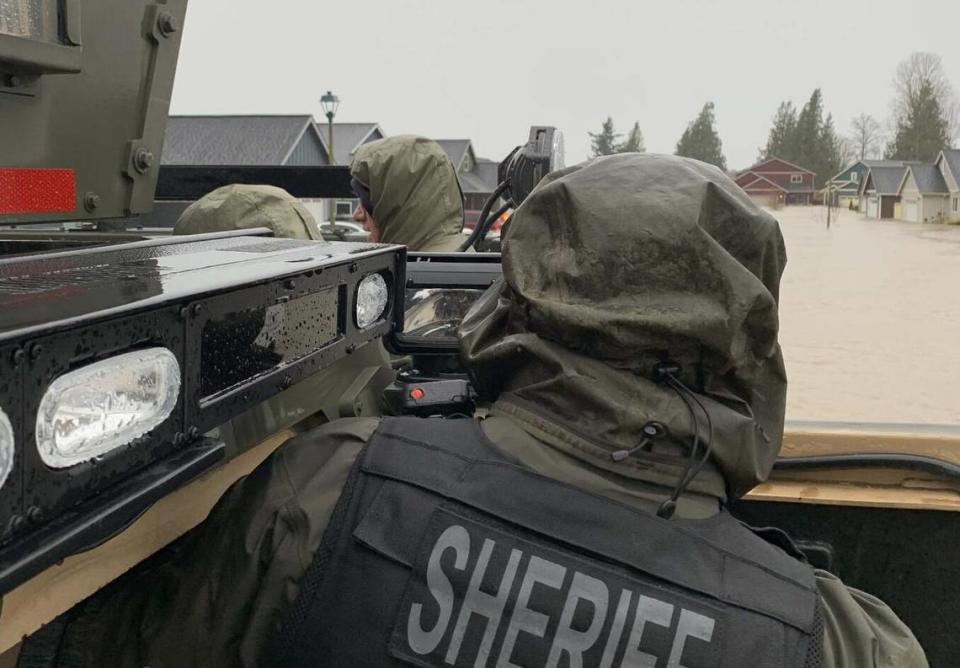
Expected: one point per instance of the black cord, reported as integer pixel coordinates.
(668, 507)
(709, 449)
(483, 216)
(488, 223)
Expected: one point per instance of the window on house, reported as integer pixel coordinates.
(344, 209)
(796, 178)
(855, 177)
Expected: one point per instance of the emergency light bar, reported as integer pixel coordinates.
(114, 361)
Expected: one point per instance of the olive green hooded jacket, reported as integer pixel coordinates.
(238, 206)
(415, 193)
(610, 268)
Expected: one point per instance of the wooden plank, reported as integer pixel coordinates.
(800, 442)
(59, 588)
(842, 494)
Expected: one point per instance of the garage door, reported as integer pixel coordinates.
(768, 200)
(910, 209)
(871, 207)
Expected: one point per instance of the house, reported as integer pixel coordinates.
(478, 176)
(923, 193)
(846, 184)
(948, 162)
(880, 190)
(775, 182)
(348, 137)
(266, 139)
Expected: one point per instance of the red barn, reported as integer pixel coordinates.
(776, 182)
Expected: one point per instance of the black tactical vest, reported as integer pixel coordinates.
(441, 552)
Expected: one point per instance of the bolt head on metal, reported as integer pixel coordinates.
(91, 201)
(143, 160)
(168, 24)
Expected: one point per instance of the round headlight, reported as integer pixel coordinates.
(86, 413)
(6, 447)
(372, 298)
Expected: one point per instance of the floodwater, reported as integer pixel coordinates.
(870, 319)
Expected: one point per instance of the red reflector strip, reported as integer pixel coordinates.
(37, 190)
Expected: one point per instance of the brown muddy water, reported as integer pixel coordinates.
(870, 319)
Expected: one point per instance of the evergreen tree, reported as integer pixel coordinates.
(809, 145)
(806, 139)
(780, 140)
(604, 142)
(701, 141)
(922, 130)
(634, 142)
(831, 155)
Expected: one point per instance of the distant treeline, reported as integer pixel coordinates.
(924, 117)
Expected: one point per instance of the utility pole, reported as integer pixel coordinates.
(829, 200)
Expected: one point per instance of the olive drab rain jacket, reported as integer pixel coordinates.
(239, 206)
(414, 190)
(610, 267)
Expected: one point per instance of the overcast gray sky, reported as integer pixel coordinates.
(486, 70)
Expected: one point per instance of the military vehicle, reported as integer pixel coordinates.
(142, 374)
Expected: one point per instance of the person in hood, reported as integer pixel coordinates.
(637, 387)
(239, 207)
(409, 194)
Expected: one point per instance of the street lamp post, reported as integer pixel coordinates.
(330, 103)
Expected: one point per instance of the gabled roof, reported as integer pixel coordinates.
(760, 184)
(233, 140)
(347, 138)
(456, 150)
(885, 180)
(928, 178)
(889, 163)
(848, 168)
(845, 187)
(781, 160)
(482, 179)
(952, 157)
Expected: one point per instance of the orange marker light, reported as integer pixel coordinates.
(417, 394)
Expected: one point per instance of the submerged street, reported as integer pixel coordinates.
(870, 319)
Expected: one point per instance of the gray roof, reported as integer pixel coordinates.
(929, 179)
(481, 179)
(231, 140)
(455, 149)
(346, 138)
(952, 158)
(487, 170)
(888, 163)
(886, 180)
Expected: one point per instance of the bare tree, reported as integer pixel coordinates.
(916, 72)
(866, 137)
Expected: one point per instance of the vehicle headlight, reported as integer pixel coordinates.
(372, 297)
(6, 447)
(88, 412)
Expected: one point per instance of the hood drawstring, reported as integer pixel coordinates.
(651, 431)
(666, 373)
